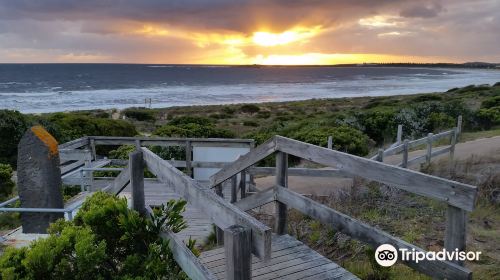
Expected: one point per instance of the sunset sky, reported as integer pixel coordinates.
(249, 32)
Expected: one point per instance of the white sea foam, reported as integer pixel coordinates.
(167, 96)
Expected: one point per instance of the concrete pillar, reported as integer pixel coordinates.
(39, 179)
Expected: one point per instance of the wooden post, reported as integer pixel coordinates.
(399, 136)
(405, 154)
(456, 223)
(234, 189)
(243, 185)
(459, 126)
(219, 233)
(330, 142)
(189, 170)
(429, 148)
(88, 176)
(281, 180)
(238, 250)
(453, 142)
(92, 148)
(380, 155)
(137, 144)
(136, 163)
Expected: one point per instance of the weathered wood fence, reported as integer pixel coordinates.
(460, 197)
(403, 147)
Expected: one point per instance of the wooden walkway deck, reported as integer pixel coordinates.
(290, 259)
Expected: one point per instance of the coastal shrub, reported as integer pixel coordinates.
(378, 124)
(140, 114)
(439, 121)
(249, 108)
(71, 126)
(228, 110)
(491, 102)
(106, 240)
(193, 127)
(346, 139)
(263, 114)
(250, 123)
(12, 127)
(184, 120)
(6, 183)
(486, 118)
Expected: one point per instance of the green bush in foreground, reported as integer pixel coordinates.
(106, 240)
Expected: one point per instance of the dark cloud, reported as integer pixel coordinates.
(422, 11)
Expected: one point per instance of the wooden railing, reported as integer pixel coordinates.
(77, 156)
(404, 147)
(459, 197)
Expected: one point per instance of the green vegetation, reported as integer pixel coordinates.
(106, 240)
(6, 183)
(140, 114)
(194, 127)
(12, 127)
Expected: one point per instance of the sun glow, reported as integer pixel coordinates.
(268, 39)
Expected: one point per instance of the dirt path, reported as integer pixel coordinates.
(327, 186)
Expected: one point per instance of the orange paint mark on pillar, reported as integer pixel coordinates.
(46, 138)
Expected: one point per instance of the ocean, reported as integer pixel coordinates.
(39, 88)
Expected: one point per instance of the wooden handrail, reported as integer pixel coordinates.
(222, 213)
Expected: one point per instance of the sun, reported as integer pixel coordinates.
(267, 39)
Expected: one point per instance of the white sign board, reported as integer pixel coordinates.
(214, 154)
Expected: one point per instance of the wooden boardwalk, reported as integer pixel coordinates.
(290, 259)
(251, 250)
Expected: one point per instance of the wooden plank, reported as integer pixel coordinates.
(418, 159)
(237, 246)
(281, 180)
(441, 151)
(308, 172)
(367, 234)
(454, 193)
(120, 182)
(70, 154)
(222, 213)
(189, 158)
(72, 166)
(256, 200)
(418, 142)
(243, 185)
(394, 150)
(380, 155)
(404, 163)
(75, 144)
(137, 181)
(189, 263)
(244, 162)
(165, 141)
(429, 149)
(444, 134)
(453, 142)
(234, 189)
(456, 227)
(399, 135)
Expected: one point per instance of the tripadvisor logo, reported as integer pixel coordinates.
(387, 255)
